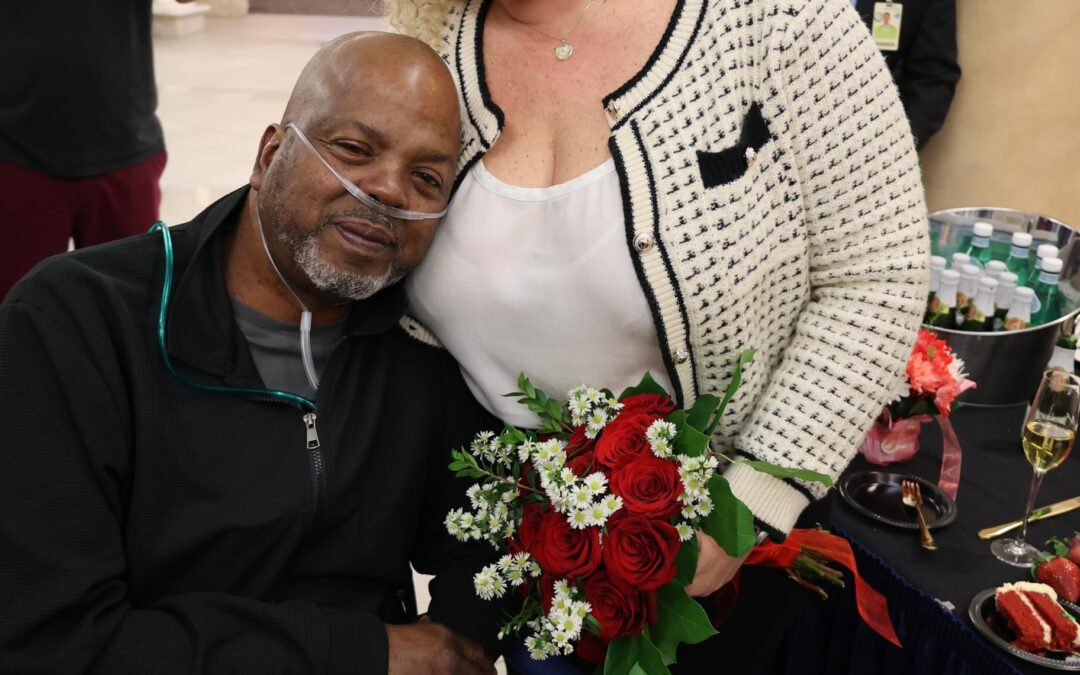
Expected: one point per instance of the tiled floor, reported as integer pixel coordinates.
(218, 91)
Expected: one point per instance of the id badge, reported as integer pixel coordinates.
(886, 26)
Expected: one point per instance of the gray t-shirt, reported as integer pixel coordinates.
(275, 348)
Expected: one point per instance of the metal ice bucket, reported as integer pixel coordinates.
(1007, 365)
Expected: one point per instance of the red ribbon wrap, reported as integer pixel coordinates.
(872, 606)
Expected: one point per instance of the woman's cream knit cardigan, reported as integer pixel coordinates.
(810, 248)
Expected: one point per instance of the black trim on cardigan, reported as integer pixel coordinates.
(481, 76)
(646, 288)
(623, 116)
(664, 39)
(462, 81)
(790, 482)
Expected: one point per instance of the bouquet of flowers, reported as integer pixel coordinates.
(935, 377)
(596, 513)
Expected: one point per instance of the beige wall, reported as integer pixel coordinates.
(1012, 137)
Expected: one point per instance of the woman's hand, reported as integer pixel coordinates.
(714, 567)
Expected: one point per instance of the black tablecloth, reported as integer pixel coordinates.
(994, 484)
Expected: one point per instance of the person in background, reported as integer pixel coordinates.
(181, 492)
(81, 150)
(658, 185)
(918, 40)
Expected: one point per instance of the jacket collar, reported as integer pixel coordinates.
(202, 330)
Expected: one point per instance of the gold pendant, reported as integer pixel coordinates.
(564, 51)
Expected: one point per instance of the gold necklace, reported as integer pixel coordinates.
(564, 50)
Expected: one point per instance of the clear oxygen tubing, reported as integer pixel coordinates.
(364, 198)
(163, 312)
(305, 314)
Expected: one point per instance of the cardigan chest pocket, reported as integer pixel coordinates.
(725, 166)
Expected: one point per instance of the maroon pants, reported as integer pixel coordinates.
(39, 214)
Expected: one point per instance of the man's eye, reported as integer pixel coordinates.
(352, 148)
(428, 178)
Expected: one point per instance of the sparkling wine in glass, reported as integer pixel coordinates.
(1047, 438)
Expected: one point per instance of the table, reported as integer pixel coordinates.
(993, 489)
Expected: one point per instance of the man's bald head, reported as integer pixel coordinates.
(349, 60)
(382, 110)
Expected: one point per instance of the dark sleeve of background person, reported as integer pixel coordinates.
(65, 442)
(454, 602)
(928, 70)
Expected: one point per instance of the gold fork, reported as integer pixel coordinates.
(912, 497)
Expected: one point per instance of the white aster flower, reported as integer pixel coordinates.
(579, 520)
(537, 648)
(612, 503)
(685, 531)
(489, 583)
(581, 496)
(595, 483)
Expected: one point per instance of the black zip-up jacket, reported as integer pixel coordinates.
(149, 527)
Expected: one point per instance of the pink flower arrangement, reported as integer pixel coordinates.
(935, 377)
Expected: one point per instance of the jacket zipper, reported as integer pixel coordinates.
(313, 446)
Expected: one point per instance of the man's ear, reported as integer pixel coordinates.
(268, 147)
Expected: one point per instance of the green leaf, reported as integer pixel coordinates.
(730, 523)
(736, 380)
(679, 620)
(690, 442)
(650, 661)
(622, 655)
(686, 562)
(784, 472)
(647, 386)
(699, 415)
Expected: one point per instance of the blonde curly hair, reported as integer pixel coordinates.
(423, 19)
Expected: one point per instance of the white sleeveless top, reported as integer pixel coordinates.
(540, 281)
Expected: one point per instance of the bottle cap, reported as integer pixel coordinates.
(959, 260)
(1023, 292)
(982, 230)
(988, 283)
(1022, 239)
(995, 267)
(1052, 265)
(937, 262)
(950, 276)
(1047, 251)
(1007, 279)
(969, 271)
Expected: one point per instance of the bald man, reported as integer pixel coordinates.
(219, 452)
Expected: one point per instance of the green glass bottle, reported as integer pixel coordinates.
(1035, 262)
(937, 266)
(1046, 307)
(979, 249)
(1003, 298)
(942, 313)
(1019, 315)
(1019, 260)
(980, 318)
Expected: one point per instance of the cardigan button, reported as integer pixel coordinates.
(643, 242)
(682, 356)
(751, 157)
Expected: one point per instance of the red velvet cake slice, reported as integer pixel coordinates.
(1033, 633)
(1066, 632)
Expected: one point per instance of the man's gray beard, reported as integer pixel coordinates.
(340, 282)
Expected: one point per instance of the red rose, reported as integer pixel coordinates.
(656, 405)
(591, 648)
(563, 551)
(623, 439)
(640, 551)
(619, 608)
(649, 486)
(580, 450)
(531, 517)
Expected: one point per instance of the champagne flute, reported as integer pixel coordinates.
(1047, 438)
